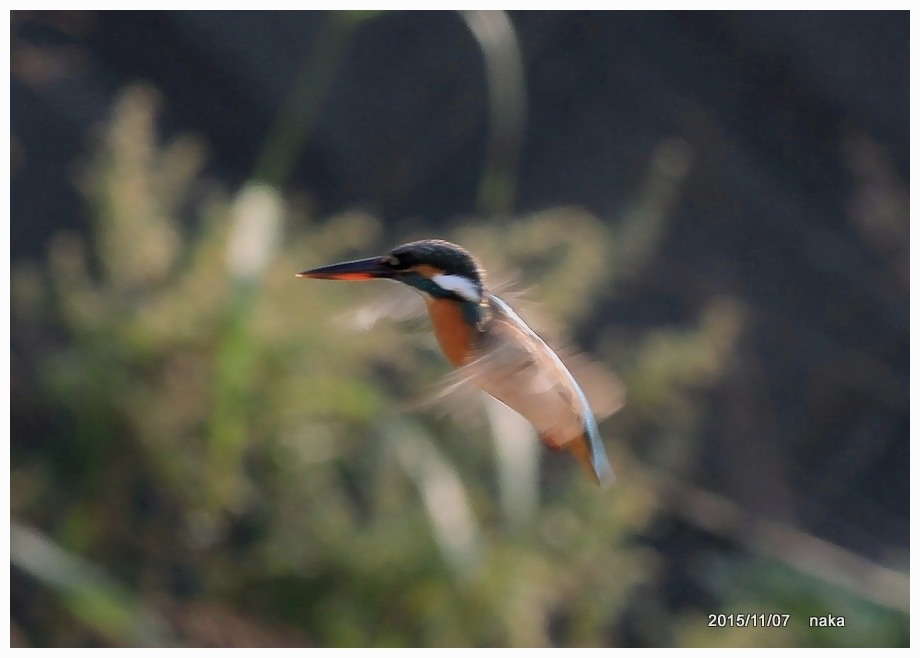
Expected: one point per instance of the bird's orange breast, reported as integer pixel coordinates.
(454, 333)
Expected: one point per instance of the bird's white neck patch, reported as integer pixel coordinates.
(458, 284)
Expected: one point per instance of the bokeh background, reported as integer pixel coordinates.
(206, 451)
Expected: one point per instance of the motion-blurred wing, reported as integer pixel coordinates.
(518, 368)
(605, 391)
(396, 303)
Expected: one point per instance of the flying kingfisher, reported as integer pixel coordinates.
(489, 344)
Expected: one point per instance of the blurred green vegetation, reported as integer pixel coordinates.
(210, 454)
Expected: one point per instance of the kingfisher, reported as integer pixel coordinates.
(489, 344)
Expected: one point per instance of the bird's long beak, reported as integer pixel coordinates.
(355, 270)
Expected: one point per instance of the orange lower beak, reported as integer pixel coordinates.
(355, 270)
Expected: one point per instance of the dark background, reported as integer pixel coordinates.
(796, 199)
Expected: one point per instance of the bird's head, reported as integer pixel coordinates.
(437, 268)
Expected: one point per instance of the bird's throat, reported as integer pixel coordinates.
(454, 326)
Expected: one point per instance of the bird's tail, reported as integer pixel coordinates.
(593, 461)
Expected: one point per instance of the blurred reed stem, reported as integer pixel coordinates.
(90, 594)
(504, 71)
(297, 117)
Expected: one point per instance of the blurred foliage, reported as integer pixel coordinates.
(237, 462)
